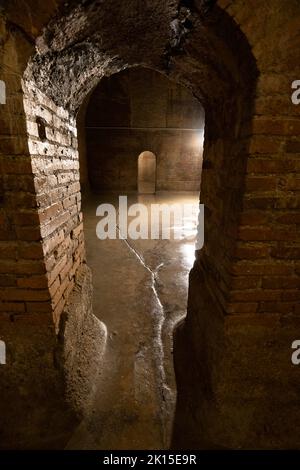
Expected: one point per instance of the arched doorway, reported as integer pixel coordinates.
(121, 127)
(146, 173)
(65, 232)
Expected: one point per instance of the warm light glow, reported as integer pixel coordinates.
(198, 139)
(188, 252)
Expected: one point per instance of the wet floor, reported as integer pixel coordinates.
(140, 293)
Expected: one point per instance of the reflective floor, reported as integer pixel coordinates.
(140, 293)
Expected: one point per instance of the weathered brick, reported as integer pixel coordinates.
(53, 241)
(50, 212)
(15, 294)
(56, 223)
(264, 145)
(252, 252)
(76, 231)
(261, 183)
(267, 233)
(247, 282)
(14, 165)
(56, 270)
(33, 282)
(22, 267)
(60, 292)
(292, 146)
(66, 270)
(264, 165)
(7, 280)
(255, 295)
(54, 286)
(254, 217)
(269, 126)
(277, 307)
(58, 311)
(256, 234)
(288, 218)
(22, 183)
(276, 282)
(8, 249)
(263, 268)
(290, 295)
(13, 145)
(38, 307)
(26, 218)
(30, 251)
(242, 307)
(286, 252)
(69, 289)
(12, 307)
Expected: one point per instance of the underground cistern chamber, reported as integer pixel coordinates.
(149, 240)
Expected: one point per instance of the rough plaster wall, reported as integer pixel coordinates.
(82, 339)
(147, 100)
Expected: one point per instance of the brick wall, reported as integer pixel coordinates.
(22, 269)
(243, 312)
(52, 141)
(266, 271)
(41, 230)
(30, 415)
(157, 115)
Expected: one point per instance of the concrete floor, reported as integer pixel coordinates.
(140, 293)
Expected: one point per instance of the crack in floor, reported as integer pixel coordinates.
(140, 294)
(165, 391)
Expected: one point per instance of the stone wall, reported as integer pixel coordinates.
(30, 416)
(42, 268)
(39, 192)
(243, 311)
(21, 254)
(141, 110)
(52, 141)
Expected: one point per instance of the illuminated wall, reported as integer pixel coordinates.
(142, 110)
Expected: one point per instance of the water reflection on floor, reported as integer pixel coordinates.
(140, 293)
